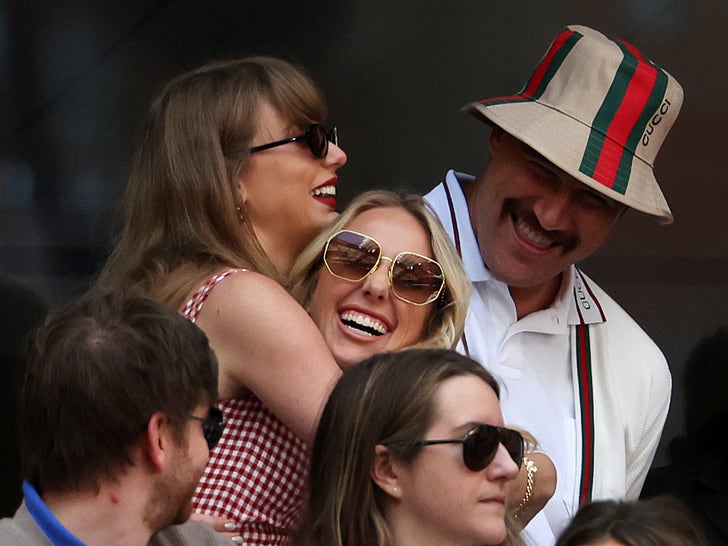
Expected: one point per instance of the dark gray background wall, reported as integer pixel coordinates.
(76, 76)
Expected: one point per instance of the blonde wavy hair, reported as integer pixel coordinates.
(448, 319)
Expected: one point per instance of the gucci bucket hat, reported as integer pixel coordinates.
(599, 110)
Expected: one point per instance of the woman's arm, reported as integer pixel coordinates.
(265, 342)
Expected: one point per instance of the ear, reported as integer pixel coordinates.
(242, 192)
(158, 441)
(495, 140)
(385, 473)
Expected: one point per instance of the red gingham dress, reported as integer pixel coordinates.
(256, 473)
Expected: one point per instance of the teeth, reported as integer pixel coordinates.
(533, 236)
(325, 191)
(367, 325)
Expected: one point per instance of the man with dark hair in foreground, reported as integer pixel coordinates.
(116, 421)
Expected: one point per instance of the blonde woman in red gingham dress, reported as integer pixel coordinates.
(208, 193)
(256, 473)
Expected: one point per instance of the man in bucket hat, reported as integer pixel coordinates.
(569, 154)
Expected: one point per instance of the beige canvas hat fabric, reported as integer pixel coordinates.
(598, 109)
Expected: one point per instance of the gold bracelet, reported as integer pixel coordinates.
(531, 470)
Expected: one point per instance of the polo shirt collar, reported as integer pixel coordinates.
(585, 307)
(469, 249)
(46, 521)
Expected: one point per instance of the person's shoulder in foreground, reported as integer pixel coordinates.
(21, 529)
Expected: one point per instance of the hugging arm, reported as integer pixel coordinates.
(267, 344)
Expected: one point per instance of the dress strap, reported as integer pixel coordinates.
(192, 308)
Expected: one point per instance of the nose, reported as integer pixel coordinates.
(377, 284)
(335, 156)
(552, 209)
(502, 467)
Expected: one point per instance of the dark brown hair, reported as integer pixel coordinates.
(99, 368)
(658, 521)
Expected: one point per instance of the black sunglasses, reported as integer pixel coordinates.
(353, 256)
(212, 426)
(481, 442)
(316, 136)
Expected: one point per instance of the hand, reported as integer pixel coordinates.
(219, 524)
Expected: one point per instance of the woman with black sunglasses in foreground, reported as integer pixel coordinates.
(233, 176)
(411, 449)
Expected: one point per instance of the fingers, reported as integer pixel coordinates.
(219, 524)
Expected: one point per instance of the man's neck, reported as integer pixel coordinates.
(110, 515)
(530, 299)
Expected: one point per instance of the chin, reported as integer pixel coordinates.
(493, 535)
(323, 220)
(348, 359)
(519, 277)
(183, 514)
(346, 363)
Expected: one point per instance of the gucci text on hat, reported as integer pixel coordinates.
(598, 109)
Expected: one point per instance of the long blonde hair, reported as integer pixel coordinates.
(183, 218)
(448, 320)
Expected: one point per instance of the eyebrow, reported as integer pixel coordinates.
(467, 427)
(549, 164)
(533, 153)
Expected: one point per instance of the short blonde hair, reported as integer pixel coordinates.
(447, 322)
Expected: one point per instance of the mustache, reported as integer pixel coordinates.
(566, 240)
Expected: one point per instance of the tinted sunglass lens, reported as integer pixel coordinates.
(333, 136)
(513, 441)
(480, 447)
(416, 279)
(318, 141)
(212, 427)
(351, 256)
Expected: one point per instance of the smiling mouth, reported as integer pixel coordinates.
(363, 324)
(328, 191)
(538, 238)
